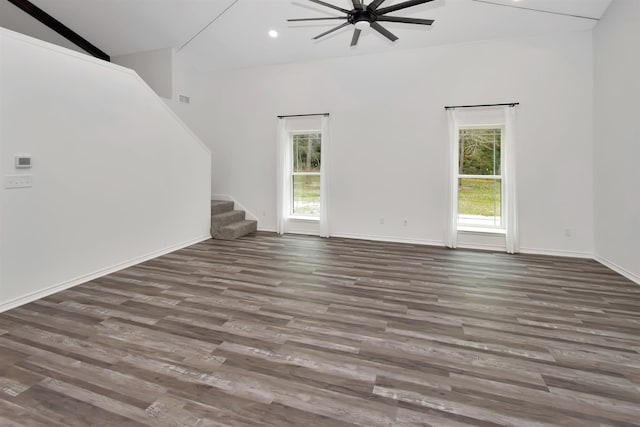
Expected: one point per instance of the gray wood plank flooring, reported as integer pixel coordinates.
(302, 331)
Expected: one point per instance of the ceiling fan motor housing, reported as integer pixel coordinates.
(356, 16)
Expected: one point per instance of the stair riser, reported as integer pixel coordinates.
(229, 233)
(221, 207)
(218, 221)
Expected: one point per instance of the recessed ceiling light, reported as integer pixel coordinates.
(273, 34)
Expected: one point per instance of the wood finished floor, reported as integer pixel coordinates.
(302, 331)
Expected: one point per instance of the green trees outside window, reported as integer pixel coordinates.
(480, 177)
(306, 173)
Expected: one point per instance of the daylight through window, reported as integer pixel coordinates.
(305, 194)
(480, 192)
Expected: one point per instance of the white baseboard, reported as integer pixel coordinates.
(475, 246)
(16, 302)
(569, 254)
(480, 247)
(620, 270)
(390, 239)
(239, 206)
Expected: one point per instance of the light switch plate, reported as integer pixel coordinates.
(18, 181)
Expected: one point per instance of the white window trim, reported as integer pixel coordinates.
(481, 230)
(290, 215)
(302, 218)
(486, 229)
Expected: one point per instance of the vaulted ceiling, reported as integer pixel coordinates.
(238, 32)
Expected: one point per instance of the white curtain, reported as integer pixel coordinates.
(509, 171)
(283, 175)
(324, 187)
(452, 214)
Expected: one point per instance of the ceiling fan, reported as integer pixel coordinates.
(363, 16)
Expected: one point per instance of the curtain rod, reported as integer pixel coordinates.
(304, 115)
(453, 107)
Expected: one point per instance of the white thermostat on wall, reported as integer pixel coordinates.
(23, 161)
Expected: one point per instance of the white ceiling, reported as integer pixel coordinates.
(239, 37)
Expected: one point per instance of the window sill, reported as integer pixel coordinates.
(482, 230)
(303, 218)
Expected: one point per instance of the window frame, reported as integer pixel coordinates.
(480, 228)
(291, 214)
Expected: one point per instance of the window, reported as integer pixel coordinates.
(305, 175)
(482, 171)
(480, 189)
(302, 194)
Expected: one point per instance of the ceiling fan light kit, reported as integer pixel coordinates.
(363, 16)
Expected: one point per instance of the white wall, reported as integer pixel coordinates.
(117, 177)
(187, 81)
(155, 67)
(617, 138)
(15, 19)
(389, 134)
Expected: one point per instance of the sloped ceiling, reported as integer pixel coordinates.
(239, 35)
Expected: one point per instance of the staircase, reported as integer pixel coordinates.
(227, 223)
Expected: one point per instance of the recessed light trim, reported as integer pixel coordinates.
(273, 34)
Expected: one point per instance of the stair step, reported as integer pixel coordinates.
(228, 223)
(235, 230)
(226, 218)
(221, 206)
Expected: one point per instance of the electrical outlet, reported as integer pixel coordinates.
(405, 222)
(568, 232)
(381, 220)
(18, 181)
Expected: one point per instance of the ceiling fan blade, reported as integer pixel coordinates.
(388, 34)
(315, 19)
(399, 6)
(375, 4)
(356, 36)
(330, 5)
(331, 30)
(357, 4)
(406, 20)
